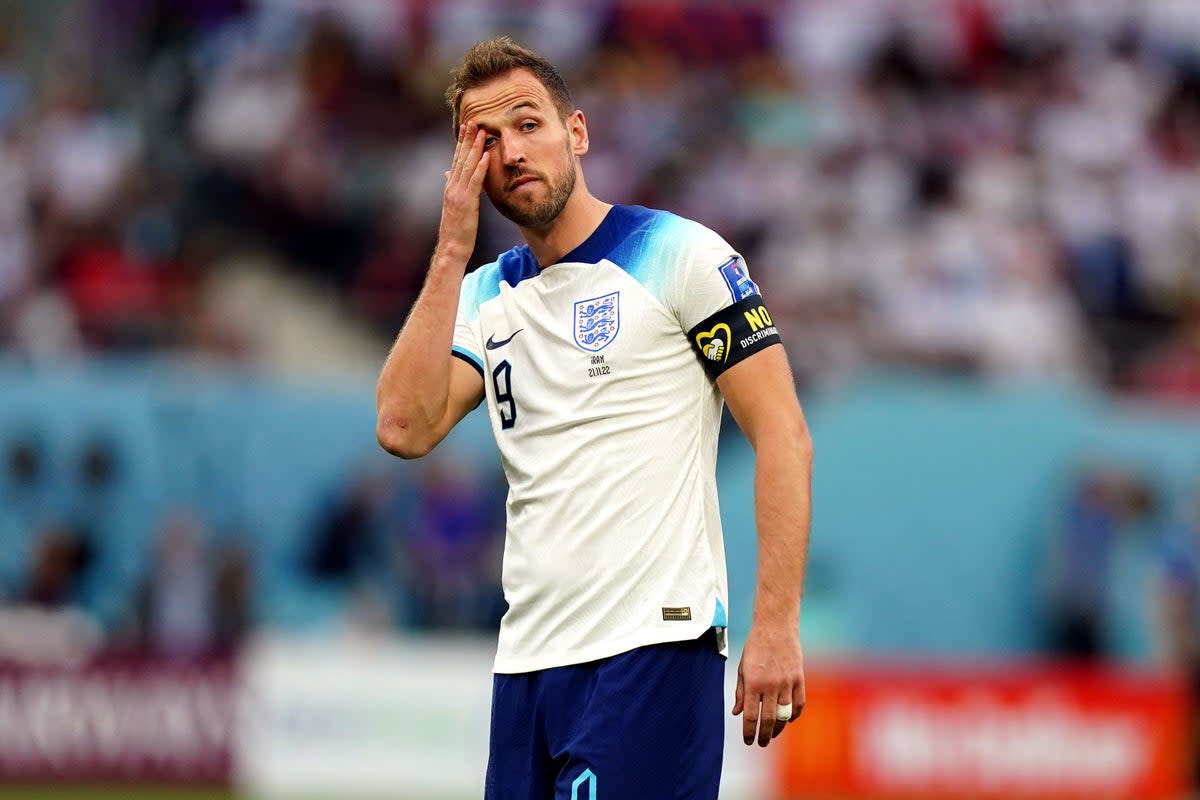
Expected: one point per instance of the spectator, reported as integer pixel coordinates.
(344, 547)
(451, 549)
(1106, 503)
(61, 560)
(176, 604)
(81, 155)
(233, 588)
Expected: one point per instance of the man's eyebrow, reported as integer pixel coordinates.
(531, 104)
(519, 106)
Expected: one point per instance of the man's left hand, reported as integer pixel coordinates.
(770, 674)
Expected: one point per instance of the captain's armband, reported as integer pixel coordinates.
(733, 334)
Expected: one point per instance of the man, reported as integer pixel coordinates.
(603, 348)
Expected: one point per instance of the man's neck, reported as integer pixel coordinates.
(578, 220)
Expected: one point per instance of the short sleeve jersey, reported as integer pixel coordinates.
(599, 382)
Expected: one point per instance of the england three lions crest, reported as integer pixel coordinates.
(597, 321)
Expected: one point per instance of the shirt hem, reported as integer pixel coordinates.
(511, 665)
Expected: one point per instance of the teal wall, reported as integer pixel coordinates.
(934, 499)
(935, 504)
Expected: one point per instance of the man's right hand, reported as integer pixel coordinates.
(460, 201)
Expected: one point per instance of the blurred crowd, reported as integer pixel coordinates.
(1007, 189)
(408, 546)
(187, 593)
(418, 548)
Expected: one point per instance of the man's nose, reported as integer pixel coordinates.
(511, 152)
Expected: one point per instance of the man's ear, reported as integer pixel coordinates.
(577, 130)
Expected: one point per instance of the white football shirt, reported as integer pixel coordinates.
(607, 426)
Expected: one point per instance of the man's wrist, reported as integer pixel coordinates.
(787, 620)
(449, 259)
(446, 272)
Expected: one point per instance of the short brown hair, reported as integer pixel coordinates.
(496, 57)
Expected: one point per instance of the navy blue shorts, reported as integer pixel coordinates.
(647, 724)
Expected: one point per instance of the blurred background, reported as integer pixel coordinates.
(976, 223)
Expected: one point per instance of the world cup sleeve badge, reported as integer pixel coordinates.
(739, 283)
(597, 321)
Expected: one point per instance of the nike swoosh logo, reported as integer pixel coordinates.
(491, 344)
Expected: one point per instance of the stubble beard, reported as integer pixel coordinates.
(543, 212)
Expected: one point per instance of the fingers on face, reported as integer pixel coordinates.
(480, 171)
(468, 153)
(462, 147)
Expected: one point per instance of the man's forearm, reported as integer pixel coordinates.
(783, 512)
(413, 393)
(414, 384)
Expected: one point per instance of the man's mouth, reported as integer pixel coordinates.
(521, 181)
